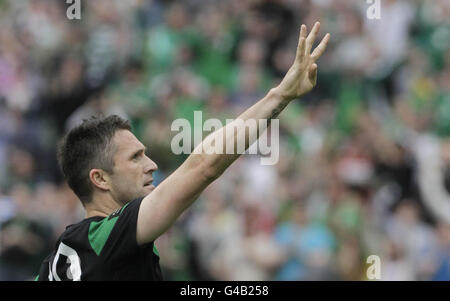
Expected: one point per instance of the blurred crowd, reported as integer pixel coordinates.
(364, 158)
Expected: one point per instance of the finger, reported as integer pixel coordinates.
(312, 37)
(301, 43)
(300, 49)
(303, 31)
(320, 49)
(313, 73)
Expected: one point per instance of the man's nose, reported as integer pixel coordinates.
(150, 166)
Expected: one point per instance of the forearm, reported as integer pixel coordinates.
(236, 137)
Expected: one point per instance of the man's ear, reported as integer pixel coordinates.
(99, 178)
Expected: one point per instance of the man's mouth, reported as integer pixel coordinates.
(148, 183)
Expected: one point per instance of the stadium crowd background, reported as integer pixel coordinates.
(364, 158)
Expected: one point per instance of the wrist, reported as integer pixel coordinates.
(278, 93)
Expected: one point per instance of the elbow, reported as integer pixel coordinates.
(203, 167)
(210, 173)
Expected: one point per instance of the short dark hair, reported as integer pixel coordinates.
(87, 146)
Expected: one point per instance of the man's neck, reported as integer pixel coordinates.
(101, 207)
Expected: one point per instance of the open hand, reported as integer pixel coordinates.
(302, 75)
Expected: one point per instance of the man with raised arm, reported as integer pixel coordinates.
(108, 169)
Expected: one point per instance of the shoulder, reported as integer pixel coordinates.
(115, 227)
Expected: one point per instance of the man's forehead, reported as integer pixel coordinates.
(124, 139)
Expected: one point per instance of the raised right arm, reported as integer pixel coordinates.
(160, 209)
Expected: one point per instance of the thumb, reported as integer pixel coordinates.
(313, 73)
